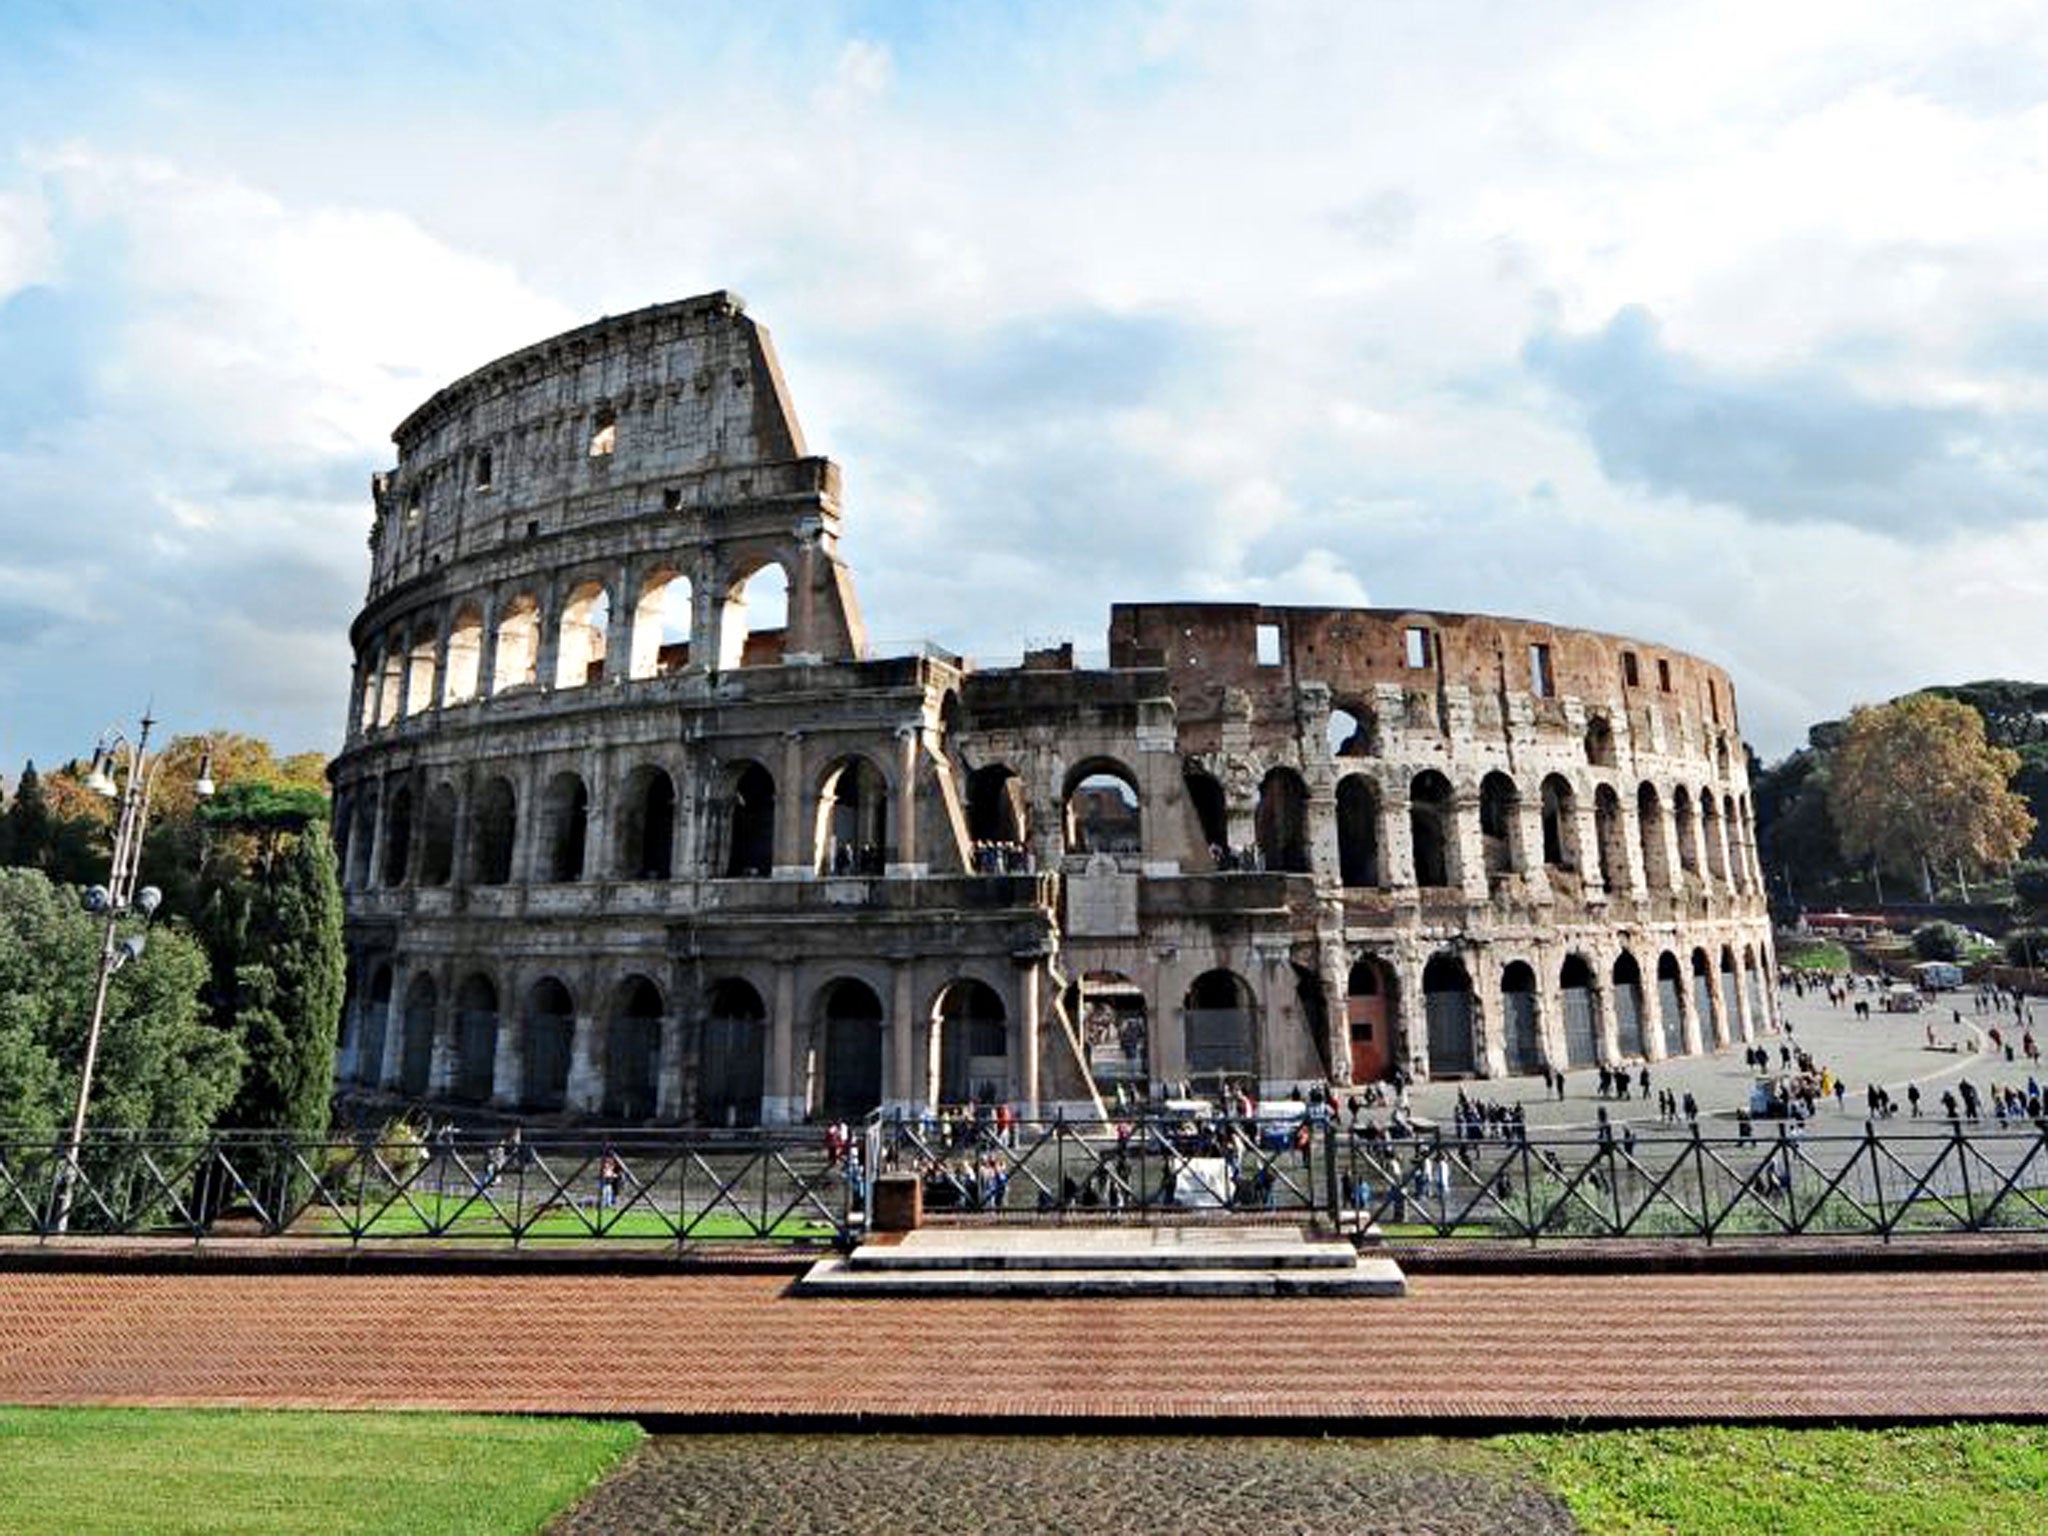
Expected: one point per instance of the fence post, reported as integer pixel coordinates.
(1699, 1172)
(1963, 1163)
(1330, 1171)
(1884, 1226)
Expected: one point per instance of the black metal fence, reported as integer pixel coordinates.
(1665, 1182)
(674, 1188)
(682, 1188)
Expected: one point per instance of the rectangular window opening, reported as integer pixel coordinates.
(604, 433)
(1269, 645)
(1418, 649)
(1631, 674)
(1541, 683)
(1663, 675)
(1713, 701)
(672, 499)
(483, 470)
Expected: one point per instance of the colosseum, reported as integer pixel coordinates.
(634, 827)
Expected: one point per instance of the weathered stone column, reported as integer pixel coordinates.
(668, 1073)
(909, 749)
(508, 1066)
(1467, 847)
(586, 1086)
(782, 1105)
(1028, 1027)
(794, 859)
(487, 648)
(902, 1038)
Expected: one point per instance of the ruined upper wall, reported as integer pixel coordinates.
(1207, 648)
(670, 407)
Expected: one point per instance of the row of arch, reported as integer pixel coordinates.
(488, 649)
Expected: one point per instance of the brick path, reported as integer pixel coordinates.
(1487, 1347)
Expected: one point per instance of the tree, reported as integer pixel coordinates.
(161, 1064)
(1915, 786)
(287, 989)
(1938, 941)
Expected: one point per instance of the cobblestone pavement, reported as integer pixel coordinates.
(983, 1485)
(1889, 1049)
(1638, 1347)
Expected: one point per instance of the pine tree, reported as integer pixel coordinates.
(29, 825)
(288, 992)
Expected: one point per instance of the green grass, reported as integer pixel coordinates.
(1814, 955)
(1762, 1482)
(468, 1217)
(137, 1472)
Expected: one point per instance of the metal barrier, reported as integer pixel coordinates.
(653, 1188)
(1662, 1182)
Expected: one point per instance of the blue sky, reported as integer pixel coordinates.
(1721, 325)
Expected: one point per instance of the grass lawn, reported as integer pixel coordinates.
(79, 1471)
(1972, 1477)
(1815, 955)
(466, 1216)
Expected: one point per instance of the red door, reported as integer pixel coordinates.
(1368, 1020)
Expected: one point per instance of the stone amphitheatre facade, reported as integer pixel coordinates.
(627, 835)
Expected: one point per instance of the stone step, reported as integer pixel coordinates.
(1113, 1248)
(1365, 1277)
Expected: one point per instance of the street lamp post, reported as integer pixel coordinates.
(112, 902)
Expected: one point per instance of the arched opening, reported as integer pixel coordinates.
(1560, 824)
(392, 684)
(1351, 733)
(1599, 742)
(372, 670)
(371, 1026)
(1670, 1003)
(1430, 830)
(419, 673)
(996, 819)
(476, 1039)
(1687, 829)
(1738, 844)
(972, 1064)
(493, 824)
(1220, 1029)
(1710, 836)
(1650, 831)
(398, 837)
(853, 819)
(1581, 1028)
(750, 823)
(437, 836)
(732, 1056)
(1703, 996)
(362, 842)
(1498, 803)
(1628, 1006)
(753, 621)
(517, 660)
(1282, 822)
(416, 1061)
(1111, 1008)
(1101, 809)
(1358, 831)
(1212, 819)
(549, 1040)
(853, 1051)
(1612, 837)
(565, 826)
(632, 1056)
(1369, 1019)
(1752, 975)
(465, 654)
(1519, 1017)
(647, 825)
(1731, 997)
(661, 625)
(585, 633)
(1447, 1006)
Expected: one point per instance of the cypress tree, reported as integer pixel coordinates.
(29, 826)
(288, 992)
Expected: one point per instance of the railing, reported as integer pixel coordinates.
(1664, 1183)
(656, 1188)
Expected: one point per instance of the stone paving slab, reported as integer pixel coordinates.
(1174, 1248)
(727, 1349)
(846, 1277)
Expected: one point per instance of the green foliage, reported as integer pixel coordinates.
(161, 1063)
(287, 988)
(256, 806)
(140, 1471)
(2026, 946)
(1813, 955)
(1938, 941)
(34, 834)
(2030, 882)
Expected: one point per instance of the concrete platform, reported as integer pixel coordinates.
(1105, 1261)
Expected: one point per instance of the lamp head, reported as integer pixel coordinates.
(97, 778)
(203, 785)
(97, 899)
(132, 947)
(148, 899)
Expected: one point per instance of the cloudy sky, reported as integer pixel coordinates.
(1725, 325)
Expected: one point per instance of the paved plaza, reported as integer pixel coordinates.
(1889, 1049)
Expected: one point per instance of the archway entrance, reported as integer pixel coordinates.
(853, 1051)
(370, 1032)
(1447, 1004)
(1670, 1004)
(732, 1056)
(550, 1029)
(1111, 1010)
(1369, 1020)
(1519, 1016)
(417, 1064)
(1220, 1032)
(476, 1039)
(973, 1057)
(632, 1067)
(1628, 1006)
(1581, 1029)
